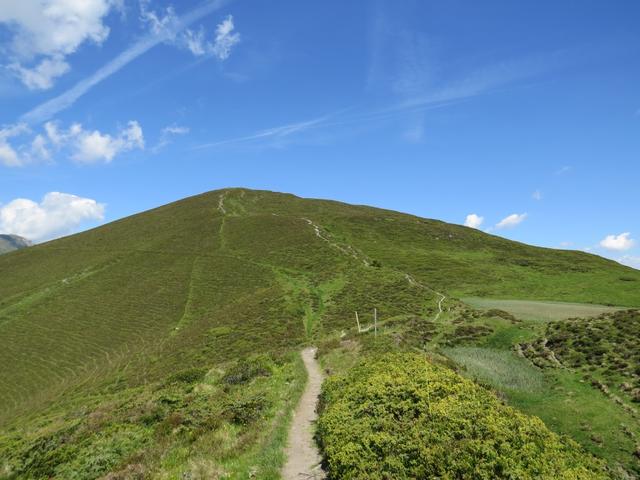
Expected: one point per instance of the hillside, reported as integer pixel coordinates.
(9, 243)
(110, 314)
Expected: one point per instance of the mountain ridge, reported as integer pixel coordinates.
(10, 242)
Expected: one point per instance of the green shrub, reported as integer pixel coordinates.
(189, 376)
(246, 370)
(494, 312)
(400, 417)
(608, 343)
(247, 410)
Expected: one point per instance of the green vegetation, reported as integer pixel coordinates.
(606, 347)
(174, 299)
(399, 416)
(198, 424)
(498, 368)
(540, 311)
(567, 401)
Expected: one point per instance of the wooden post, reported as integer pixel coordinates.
(375, 321)
(358, 322)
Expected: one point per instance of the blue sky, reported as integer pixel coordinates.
(525, 115)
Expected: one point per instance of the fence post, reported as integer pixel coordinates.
(375, 321)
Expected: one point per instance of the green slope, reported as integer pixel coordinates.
(227, 274)
(158, 282)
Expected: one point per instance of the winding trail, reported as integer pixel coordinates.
(414, 282)
(303, 457)
(353, 252)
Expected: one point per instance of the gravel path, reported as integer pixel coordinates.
(303, 458)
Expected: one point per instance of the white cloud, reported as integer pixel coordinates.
(512, 220)
(41, 77)
(57, 214)
(81, 145)
(48, 109)
(175, 130)
(167, 133)
(618, 243)
(225, 39)
(159, 24)
(473, 221)
(9, 157)
(39, 147)
(537, 195)
(630, 261)
(24, 153)
(44, 32)
(564, 169)
(167, 24)
(566, 244)
(195, 42)
(96, 147)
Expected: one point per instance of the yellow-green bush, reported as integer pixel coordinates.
(398, 417)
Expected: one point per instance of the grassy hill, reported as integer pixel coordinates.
(9, 243)
(96, 323)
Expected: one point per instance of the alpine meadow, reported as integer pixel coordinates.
(167, 342)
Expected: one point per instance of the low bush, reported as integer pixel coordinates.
(247, 410)
(494, 312)
(246, 370)
(399, 417)
(189, 376)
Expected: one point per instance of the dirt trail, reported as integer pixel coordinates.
(303, 458)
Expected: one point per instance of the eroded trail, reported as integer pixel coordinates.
(303, 458)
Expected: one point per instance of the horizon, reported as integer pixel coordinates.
(308, 198)
(501, 117)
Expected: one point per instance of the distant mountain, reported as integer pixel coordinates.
(8, 243)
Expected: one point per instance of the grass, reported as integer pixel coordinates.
(572, 406)
(563, 398)
(501, 369)
(109, 313)
(540, 311)
(194, 425)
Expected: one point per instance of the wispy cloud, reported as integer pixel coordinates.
(563, 170)
(482, 81)
(537, 195)
(164, 22)
(166, 135)
(274, 133)
(48, 109)
(409, 65)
